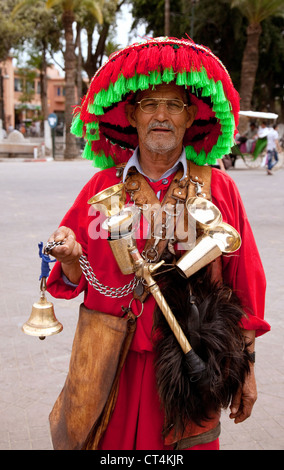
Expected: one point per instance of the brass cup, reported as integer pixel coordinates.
(123, 223)
(226, 236)
(204, 212)
(110, 201)
(121, 228)
(220, 239)
(205, 251)
(121, 250)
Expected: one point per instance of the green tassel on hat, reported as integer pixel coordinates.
(77, 126)
(88, 153)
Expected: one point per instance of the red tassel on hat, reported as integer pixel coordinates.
(121, 155)
(153, 58)
(117, 65)
(101, 145)
(142, 66)
(102, 82)
(129, 64)
(85, 115)
(195, 59)
(167, 57)
(182, 60)
(210, 66)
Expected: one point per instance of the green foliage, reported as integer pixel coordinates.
(11, 32)
(268, 16)
(269, 80)
(258, 10)
(40, 26)
(214, 24)
(93, 7)
(27, 77)
(152, 14)
(223, 29)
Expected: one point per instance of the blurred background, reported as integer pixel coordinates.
(50, 50)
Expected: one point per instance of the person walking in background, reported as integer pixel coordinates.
(251, 136)
(272, 146)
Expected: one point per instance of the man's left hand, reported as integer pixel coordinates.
(244, 399)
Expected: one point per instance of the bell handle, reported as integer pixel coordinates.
(43, 286)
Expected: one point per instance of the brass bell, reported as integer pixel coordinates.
(42, 321)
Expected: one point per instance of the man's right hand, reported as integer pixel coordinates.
(67, 254)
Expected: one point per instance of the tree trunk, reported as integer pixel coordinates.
(43, 87)
(249, 69)
(79, 65)
(71, 150)
(167, 17)
(94, 60)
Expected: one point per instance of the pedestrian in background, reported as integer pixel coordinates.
(272, 147)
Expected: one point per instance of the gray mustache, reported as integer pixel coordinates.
(166, 125)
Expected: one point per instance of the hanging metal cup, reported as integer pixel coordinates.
(217, 240)
(204, 212)
(121, 223)
(205, 251)
(110, 201)
(226, 237)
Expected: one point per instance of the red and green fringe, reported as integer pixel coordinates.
(145, 65)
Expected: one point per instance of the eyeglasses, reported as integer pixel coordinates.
(150, 105)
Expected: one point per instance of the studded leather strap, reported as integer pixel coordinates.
(196, 182)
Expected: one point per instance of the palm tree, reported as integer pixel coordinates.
(167, 17)
(255, 11)
(105, 42)
(68, 10)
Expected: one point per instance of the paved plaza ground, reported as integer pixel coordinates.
(34, 197)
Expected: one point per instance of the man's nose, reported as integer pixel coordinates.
(162, 109)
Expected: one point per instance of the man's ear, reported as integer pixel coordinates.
(130, 114)
(192, 111)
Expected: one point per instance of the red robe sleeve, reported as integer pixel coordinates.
(76, 219)
(242, 270)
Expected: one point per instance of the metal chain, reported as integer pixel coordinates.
(50, 245)
(105, 290)
(92, 279)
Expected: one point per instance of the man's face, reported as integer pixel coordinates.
(161, 131)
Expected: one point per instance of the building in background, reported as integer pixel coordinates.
(20, 101)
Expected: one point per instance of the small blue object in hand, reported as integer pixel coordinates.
(45, 260)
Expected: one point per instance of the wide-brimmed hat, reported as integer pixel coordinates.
(101, 118)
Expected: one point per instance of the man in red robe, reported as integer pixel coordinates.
(161, 117)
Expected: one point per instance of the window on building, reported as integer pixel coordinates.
(18, 85)
(60, 91)
(30, 86)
